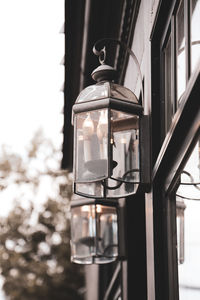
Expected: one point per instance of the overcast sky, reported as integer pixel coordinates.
(31, 49)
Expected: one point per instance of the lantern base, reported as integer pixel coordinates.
(92, 260)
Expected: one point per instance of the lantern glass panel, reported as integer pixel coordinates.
(91, 149)
(94, 234)
(125, 153)
(106, 89)
(123, 93)
(107, 233)
(94, 189)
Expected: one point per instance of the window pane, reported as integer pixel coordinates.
(195, 33)
(188, 229)
(181, 66)
(169, 111)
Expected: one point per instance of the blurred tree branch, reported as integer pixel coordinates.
(34, 245)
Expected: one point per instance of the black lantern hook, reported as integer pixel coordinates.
(101, 53)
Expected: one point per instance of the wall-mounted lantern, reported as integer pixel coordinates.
(110, 137)
(95, 233)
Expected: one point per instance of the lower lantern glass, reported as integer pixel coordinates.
(94, 234)
(93, 189)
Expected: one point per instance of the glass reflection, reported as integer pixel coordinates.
(125, 134)
(91, 140)
(180, 209)
(104, 90)
(169, 103)
(195, 33)
(107, 161)
(181, 59)
(124, 155)
(188, 234)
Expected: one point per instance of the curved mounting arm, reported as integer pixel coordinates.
(195, 184)
(101, 53)
(191, 182)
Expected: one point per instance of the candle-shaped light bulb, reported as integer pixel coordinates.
(99, 208)
(102, 126)
(88, 131)
(102, 131)
(88, 127)
(85, 208)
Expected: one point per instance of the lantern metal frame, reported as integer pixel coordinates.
(120, 212)
(124, 106)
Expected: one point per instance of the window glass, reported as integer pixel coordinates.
(168, 75)
(175, 65)
(188, 228)
(195, 33)
(181, 60)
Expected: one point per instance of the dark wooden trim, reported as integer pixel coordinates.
(136, 246)
(171, 247)
(184, 128)
(104, 21)
(161, 24)
(166, 273)
(156, 100)
(128, 28)
(74, 21)
(160, 243)
(159, 29)
(169, 157)
(176, 149)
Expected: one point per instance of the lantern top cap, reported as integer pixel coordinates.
(104, 72)
(106, 89)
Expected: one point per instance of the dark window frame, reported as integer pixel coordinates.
(170, 29)
(170, 154)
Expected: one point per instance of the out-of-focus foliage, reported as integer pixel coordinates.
(34, 243)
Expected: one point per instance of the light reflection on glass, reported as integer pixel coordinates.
(91, 145)
(103, 159)
(189, 269)
(125, 152)
(180, 209)
(195, 33)
(94, 234)
(181, 59)
(169, 107)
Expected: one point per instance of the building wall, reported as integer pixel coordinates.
(141, 47)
